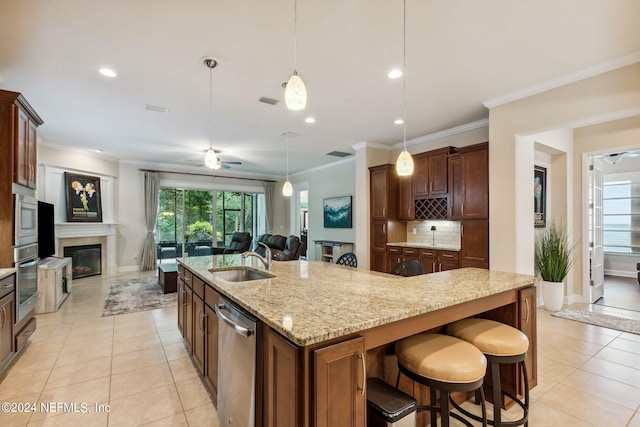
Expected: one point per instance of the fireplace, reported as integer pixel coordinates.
(86, 260)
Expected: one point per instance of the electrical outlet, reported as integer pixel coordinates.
(413, 231)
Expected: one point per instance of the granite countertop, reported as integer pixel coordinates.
(313, 301)
(425, 245)
(4, 272)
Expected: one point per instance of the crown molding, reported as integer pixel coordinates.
(585, 73)
(349, 159)
(444, 133)
(363, 145)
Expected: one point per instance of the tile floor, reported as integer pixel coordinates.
(136, 363)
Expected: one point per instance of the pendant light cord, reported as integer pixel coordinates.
(404, 66)
(287, 141)
(210, 108)
(295, 34)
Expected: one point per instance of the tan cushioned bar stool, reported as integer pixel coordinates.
(443, 363)
(501, 344)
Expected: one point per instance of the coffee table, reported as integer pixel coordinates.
(168, 277)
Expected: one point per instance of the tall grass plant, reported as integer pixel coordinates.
(553, 254)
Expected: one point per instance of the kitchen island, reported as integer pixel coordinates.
(325, 328)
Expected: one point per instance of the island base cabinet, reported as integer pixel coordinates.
(340, 378)
(7, 304)
(528, 320)
(211, 350)
(282, 382)
(199, 334)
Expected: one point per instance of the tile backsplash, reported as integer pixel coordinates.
(446, 233)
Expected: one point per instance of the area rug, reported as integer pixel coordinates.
(600, 319)
(129, 296)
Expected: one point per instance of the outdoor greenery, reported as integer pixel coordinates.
(553, 254)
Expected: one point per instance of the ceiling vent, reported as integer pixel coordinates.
(157, 109)
(339, 154)
(269, 101)
(289, 134)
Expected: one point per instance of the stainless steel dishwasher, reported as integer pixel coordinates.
(236, 366)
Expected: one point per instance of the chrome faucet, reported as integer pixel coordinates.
(266, 260)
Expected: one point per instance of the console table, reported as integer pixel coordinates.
(54, 283)
(330, 251)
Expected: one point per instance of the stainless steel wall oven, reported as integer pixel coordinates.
(26, 263)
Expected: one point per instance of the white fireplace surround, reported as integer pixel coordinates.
(72, 230)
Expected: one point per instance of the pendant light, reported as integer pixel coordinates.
(295, 93)
(211, 157)
(404, 164)
(287, 188)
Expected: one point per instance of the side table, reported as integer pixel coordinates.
(168, 277)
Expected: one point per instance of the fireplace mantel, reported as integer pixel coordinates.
(71, 230)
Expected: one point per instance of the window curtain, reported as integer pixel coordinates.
(268, 199)
(148, 259)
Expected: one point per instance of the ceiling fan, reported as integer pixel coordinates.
(219, 163)
(614, 158)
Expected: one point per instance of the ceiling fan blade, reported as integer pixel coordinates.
(225, 166)
(231, 163)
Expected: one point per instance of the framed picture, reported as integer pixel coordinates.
(540, 196)
(83, 198)
(337, 212)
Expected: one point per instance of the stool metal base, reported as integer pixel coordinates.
(445, 396)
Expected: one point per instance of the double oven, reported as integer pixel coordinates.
(25, 253)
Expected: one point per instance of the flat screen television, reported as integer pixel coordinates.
(46, 230)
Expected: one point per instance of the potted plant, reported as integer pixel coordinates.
(553, 259)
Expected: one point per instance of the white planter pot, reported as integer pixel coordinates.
(552, 295)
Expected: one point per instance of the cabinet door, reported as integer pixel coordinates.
(379, 235)
(420, 177)
(181, 306)
(21, 166)
(438, 175)
(527, 325)
(455, 187)
(392, 259)
(188, 318)
(474, 243)
(405, 199)
(379, 193)
(199, 334)
(282, 406)
(378, 260)
(6, 329)
(211, 351)
(339, 379)
(32, 161)
(475, 175)
(429, 260)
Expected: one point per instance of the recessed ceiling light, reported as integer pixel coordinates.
(310, 120)
(108, 72)
(394, 74)
(398, 122)
(98, 150)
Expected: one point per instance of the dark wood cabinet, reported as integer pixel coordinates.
(438, 185)
(7, 319)
(430, 177)
(339, 378)
(181, 309)
(469, 182)
(448, 260)
(394, 256)
(406, 207)
(385, 226)
(420, 176)
(429, 260)
(187, 332)
(282, 383)
(527, 324)
(211, 350)
(199, 333)
(474, 243)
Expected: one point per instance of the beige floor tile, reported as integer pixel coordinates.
(175, 350)
(203, 416)
(18, 416)
(178, 420)
(86, 335)
(182, 369)
(71, 419)
(20, 384)
(168, 325)
(570, 343)
(31, 361)
(613, 391)
(626, 345)
(138, 359)
(129, 331)
(542, 415)
(79, 372)
(145, 407)
(169, 337)
(631, 337)
(615, 371)
(564, 356)
(192, 393)
(620, 356)
(88, 393)
(635, 421)
(164, 314)
(544, 385)
(135, 343)
(586, 407)
(553, 370)
(139, 380)
(78, 352)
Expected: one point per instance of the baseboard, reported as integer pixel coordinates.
(128, 269)
(620, 273)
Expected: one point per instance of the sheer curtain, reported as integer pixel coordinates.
(148, 259)
(268, 201)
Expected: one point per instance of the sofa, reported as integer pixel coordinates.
(240, 242)
(282, 248)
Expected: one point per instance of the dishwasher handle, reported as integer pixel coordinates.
(247, 332)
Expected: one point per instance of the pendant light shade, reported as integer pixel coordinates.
(287, 189)
(295, 94)
(211, 159)
(404, 164)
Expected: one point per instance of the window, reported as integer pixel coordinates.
(621, 217)
(235, 212)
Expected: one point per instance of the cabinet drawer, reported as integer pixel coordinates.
(7, 285)
(396, 250)
(449, 255)
(428, 253)
(25, 333)
(211, 297)
(198, 287)
(180, 270)
(188, 278)
(412, 252)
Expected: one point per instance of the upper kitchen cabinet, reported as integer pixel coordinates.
(469, 183)
(18, 137)
(429, 177)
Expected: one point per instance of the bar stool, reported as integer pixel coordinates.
(444, 363)
(501, 344)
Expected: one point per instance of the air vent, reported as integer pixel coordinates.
(157, 109)
(338, 154)
(269, 101)
(289, 134)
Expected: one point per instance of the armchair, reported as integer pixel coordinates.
(240, 242)
(282, 248)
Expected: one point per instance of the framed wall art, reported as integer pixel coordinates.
(83, 198)
(337, 212)
(540, 196)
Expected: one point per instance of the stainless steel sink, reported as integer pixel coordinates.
(240, 275)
